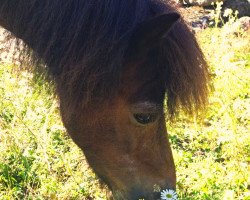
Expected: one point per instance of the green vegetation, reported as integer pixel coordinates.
(38, 160)
(212, 154)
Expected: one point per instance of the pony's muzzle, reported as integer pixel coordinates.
(140, 194)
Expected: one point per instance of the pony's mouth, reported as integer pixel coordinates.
(167, 194)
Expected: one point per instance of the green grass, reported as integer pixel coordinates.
(212, 154)
(38, 160)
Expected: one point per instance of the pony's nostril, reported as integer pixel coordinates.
(137, 193)
(142, 195)
(156, 195)
(151, 196)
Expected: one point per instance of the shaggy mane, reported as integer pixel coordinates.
(82, 43)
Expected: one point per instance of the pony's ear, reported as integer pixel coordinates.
(147, 34)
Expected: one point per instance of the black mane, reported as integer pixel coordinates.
(83, 43)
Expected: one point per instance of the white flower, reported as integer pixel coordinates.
(168, 195)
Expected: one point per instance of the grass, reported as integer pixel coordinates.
(212, 154)
(38, 160)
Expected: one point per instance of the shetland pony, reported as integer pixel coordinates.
(113, 62)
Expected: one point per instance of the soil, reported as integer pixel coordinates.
(197, 17)
(194, 13)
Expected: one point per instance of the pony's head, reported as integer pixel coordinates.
(124, 136)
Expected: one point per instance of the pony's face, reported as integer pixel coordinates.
(125, 139)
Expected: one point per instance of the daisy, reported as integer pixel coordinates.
(168, 195)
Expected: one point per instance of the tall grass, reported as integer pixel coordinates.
(38, 160)
(212, 153)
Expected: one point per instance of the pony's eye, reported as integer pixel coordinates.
(145, 118)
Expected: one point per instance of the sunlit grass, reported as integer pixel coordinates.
(212, 155)
(38, 160)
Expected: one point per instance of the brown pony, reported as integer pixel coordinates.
(113, 62)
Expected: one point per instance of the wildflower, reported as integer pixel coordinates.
(168, 195)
